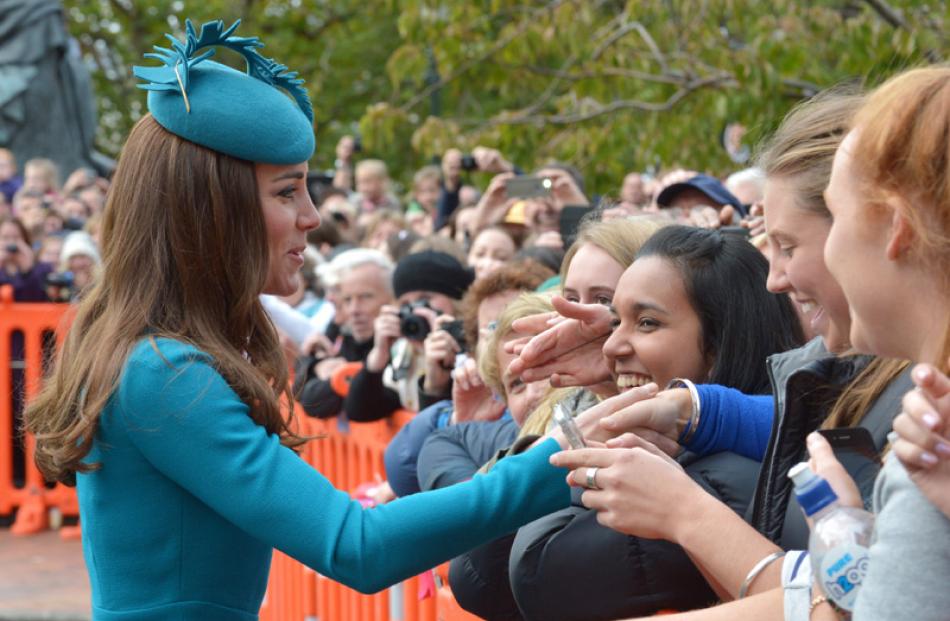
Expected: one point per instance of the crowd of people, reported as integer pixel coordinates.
(49, 230)
(698, 330)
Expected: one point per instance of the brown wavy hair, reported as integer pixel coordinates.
(524, 275)
(184, 256)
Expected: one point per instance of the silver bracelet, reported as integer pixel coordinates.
(759, 567)
(693, 423)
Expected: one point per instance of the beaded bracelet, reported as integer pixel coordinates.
(820, 599)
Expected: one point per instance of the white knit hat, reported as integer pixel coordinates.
(78, 243)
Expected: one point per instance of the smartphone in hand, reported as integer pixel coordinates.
(527, 186)
(854, 447)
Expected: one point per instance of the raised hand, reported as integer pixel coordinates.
(385, 333)
(589, 421)
(491, 160)
(473, 400)
(564, 190)
(922, 429)
(440, 352)
(569, 351)
(493, 205)
(824, 463)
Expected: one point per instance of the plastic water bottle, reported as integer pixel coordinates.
(839, 539)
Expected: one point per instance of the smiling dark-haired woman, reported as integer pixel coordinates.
(693, 305)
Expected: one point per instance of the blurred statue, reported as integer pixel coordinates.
(47, 107)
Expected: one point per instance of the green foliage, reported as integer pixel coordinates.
(607, 85)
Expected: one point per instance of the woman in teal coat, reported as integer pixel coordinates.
(164, 405)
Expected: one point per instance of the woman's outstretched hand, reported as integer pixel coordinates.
(569, 347)
(659, 420)
(588, 421)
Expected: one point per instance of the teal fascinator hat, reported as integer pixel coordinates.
(263, 115)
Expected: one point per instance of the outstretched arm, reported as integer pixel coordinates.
(188, 423)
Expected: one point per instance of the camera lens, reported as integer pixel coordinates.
(414, 327)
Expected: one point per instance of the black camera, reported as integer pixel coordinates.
(457, 331)
(468, 162)
(12, 248)
(416, 327)
(412, 326)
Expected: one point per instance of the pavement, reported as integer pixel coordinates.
(42, 577)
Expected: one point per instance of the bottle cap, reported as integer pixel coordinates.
(812, 491)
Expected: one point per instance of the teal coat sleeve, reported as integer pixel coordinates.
(188, 423)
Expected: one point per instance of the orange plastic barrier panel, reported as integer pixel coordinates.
(21, 484)
(296, 592)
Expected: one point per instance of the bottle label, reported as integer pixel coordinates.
(841, 573)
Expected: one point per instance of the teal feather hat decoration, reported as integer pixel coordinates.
(263, 115)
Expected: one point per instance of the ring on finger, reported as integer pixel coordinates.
(591, 480)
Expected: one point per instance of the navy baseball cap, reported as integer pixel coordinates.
(710, 186)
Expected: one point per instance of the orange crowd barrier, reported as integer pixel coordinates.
(296, 592)
(27, 336)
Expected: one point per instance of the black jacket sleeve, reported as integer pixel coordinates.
(568, 566)
(315, 395)
(448, 203)
(368, 400)
(479, 581)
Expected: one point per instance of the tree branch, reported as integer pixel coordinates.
(598, 109)
(888, 14)
(644, 34)
(605, 72)
(893, 17)
(468, 64)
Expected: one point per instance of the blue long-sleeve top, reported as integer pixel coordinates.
(732, 421)
(192, 496)
(402, 453)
